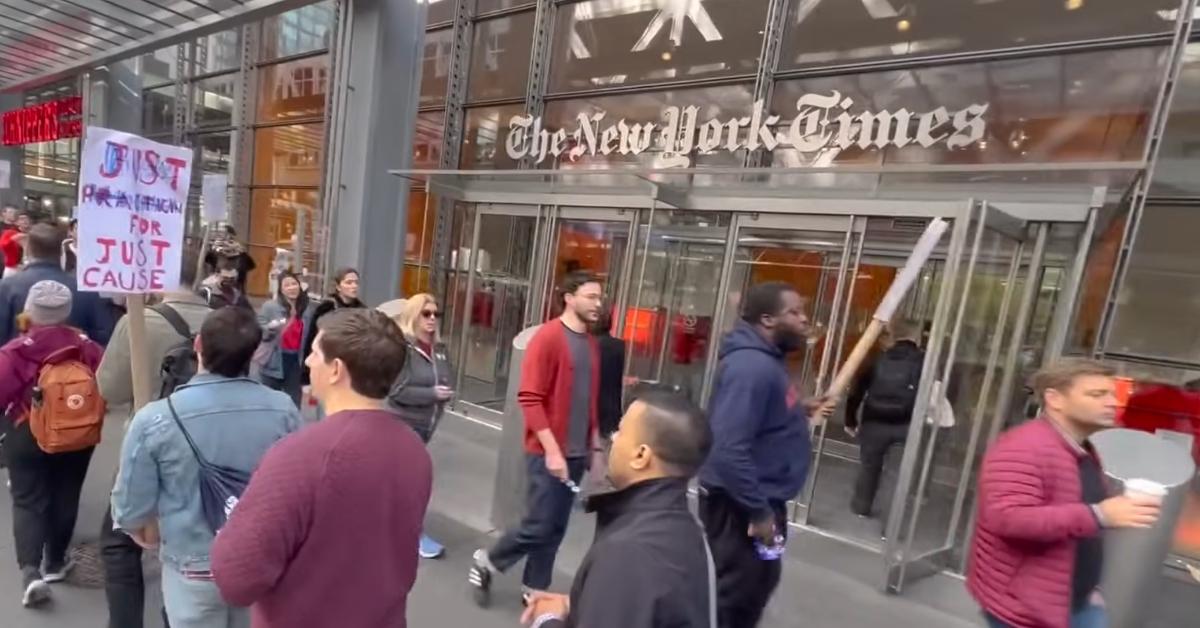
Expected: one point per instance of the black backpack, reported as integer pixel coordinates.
(894, 382)
(179, 365)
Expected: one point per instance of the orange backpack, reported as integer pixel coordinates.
(66, 412)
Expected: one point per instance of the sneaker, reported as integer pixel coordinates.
(480, 578)
(430, 548)
(57, 573)
(37, 592)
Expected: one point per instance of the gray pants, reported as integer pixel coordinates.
(193, 601)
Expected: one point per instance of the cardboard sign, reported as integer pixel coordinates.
(132, 200)
(214, 191)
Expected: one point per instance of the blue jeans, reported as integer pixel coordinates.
(544, 526)
(1090, 616)
(195, 602)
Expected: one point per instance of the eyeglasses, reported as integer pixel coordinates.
(429, 314)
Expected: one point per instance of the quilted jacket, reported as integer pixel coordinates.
(1030, 516)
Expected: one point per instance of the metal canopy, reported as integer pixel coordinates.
(47, 40)
(1056, 192)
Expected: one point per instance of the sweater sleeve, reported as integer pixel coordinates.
(252, 551)
(1012, 492)
(537, 383)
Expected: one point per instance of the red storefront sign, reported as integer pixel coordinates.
(44, 122)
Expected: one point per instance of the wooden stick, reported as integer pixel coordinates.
(854, 362)
(136, 311)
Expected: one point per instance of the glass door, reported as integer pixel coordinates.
(592, 240)
(967, 363)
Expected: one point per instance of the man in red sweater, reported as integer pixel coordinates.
(560, 380)
(1043, 501)
(326, 533)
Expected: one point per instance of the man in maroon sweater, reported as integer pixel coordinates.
(560, 380)
(326, 533)
(1043, 501)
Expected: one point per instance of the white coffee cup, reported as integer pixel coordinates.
(1140, 487)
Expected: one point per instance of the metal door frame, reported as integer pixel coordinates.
(552, 238)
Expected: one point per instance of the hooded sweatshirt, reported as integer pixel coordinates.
(761, 444)
(22, 357)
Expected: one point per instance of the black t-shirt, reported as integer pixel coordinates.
(1089, 552)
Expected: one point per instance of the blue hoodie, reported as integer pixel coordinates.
(761, 446)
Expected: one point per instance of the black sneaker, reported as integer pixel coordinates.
(37, 592)
(57, 573)
(480, 579)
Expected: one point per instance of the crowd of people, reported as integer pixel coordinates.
(258, 517)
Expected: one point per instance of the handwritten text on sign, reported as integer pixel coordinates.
(132, 199)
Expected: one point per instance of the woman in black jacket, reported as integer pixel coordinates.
(345, 294)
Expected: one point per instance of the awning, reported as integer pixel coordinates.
(47, 40)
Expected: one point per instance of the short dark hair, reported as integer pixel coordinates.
(677, 430)
(369, 344)
(764, 299)
(573, 281)
(1061, 375)
(45, 241)
(228, 339)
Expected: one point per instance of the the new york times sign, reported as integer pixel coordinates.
(822, 121)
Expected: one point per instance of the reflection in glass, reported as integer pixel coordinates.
(500, 57)
(214, 100)
(440, 11)
(1067, 108)
(293, 90)
(595, 246)
(215, 152)
(496, 308)
(435, 70)
(602, 43)
(157, 67)
(427, 140)
(273, 222)
(486, 129)
(846, 31)
(288, 155)
(158, 110)
(487, 6)
(298, 31)
(1179, 150)
(222, 51)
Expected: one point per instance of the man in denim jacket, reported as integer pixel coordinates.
(233, 421)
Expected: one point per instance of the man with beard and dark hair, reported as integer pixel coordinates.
(760, 453)
(560, 382)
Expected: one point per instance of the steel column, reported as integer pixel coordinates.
(768, 63)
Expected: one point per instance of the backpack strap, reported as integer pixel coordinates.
(174, 319)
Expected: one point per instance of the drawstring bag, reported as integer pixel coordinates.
(220, 487)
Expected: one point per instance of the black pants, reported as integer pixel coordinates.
(124, 586)
(45, 496)
(874, 441)
(290, 382)
(544, 526)
(745, 581)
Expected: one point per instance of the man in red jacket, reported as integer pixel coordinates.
(1038, 554)
(560, 380)
(326, 533)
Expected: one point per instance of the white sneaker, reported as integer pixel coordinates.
(37, 592)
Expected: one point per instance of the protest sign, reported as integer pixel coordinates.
(132, 200)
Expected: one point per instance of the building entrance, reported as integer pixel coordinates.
(993, 302)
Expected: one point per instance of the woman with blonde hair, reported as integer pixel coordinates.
(420, 394)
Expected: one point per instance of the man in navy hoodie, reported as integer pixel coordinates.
(760, 453)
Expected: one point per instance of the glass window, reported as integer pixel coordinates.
(427, 140)
(650, 112)
(273, 222)
(1080, 107)
(288, 155)
(158, 110)
(214, 100)
(435, 70)
(440, 11)
(293, 90)
(847, 31)
(418, 241)
(1159, 303)
(500, 57)
(1179, 152)
(215, 152)
(157, 67)
(222, 51)
(629, 42)
(487, 6)
(298, 31)
(483, 140)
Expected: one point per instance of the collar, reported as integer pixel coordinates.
(1079, 449)
(202, 379)
(656, 494)
(43, 262)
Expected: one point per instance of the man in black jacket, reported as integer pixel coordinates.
(886, 391)
(649, 565)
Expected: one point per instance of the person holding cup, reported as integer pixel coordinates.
(424, 386)
(1043, 504)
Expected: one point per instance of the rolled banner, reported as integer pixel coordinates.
(887, 307)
